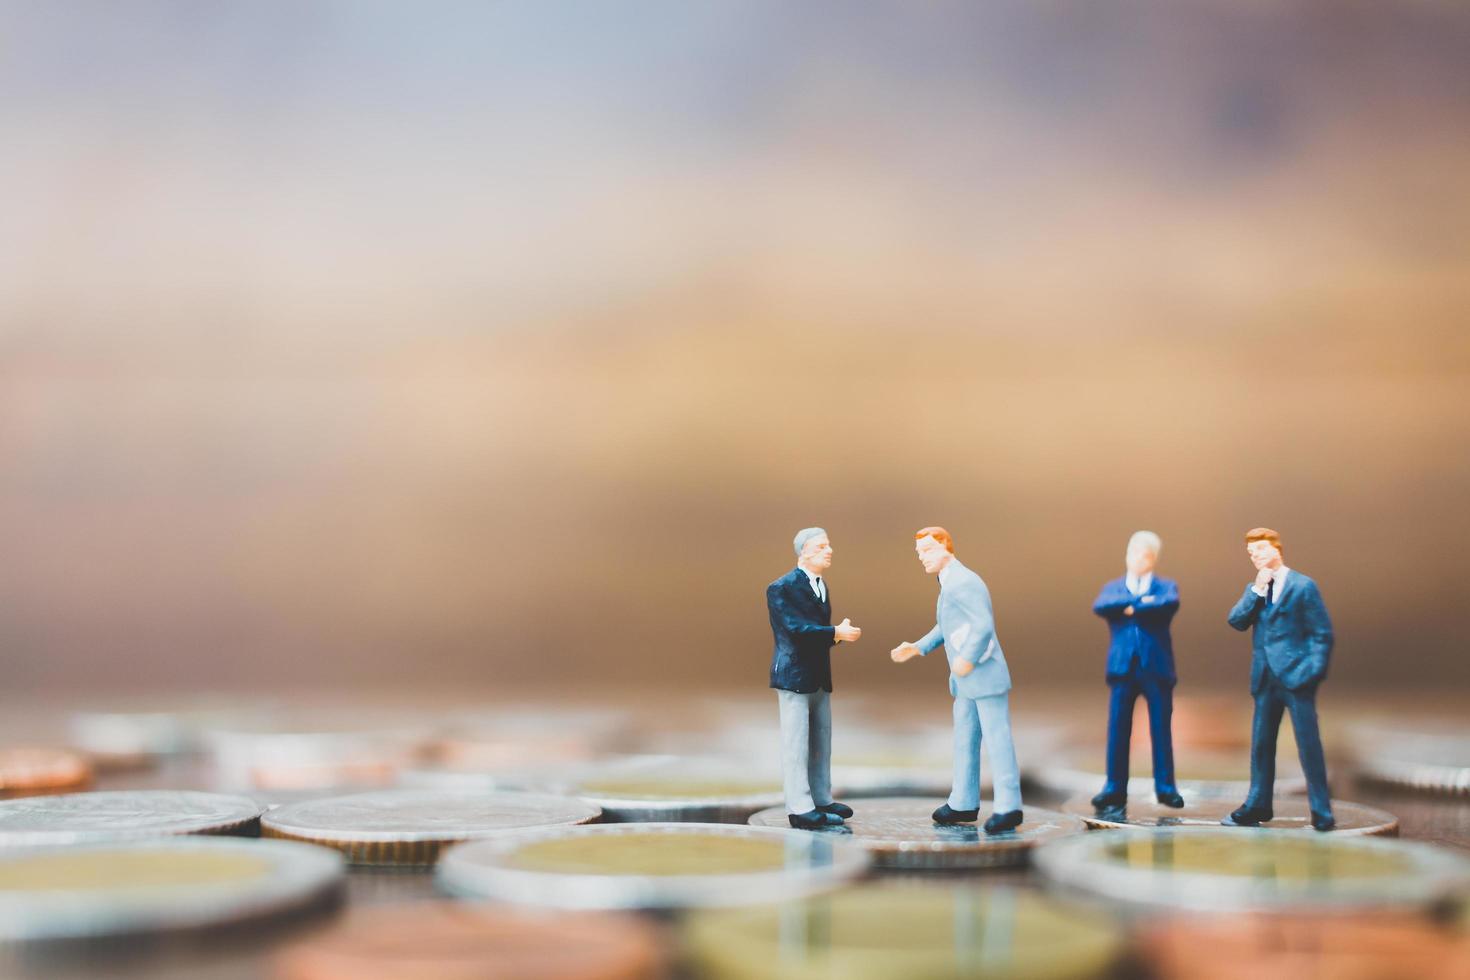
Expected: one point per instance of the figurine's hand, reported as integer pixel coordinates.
(1263, 578)
(1127, 610)
(846, 632)
(904, 651)
(962, 668)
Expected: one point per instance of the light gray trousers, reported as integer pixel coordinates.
(806, 749)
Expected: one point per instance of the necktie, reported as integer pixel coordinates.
(1271, 592)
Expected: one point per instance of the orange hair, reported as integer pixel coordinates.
(1264, 534)
(938, 534)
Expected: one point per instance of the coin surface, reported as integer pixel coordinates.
(1283, 946)
(91, 818)
(139, 886)
(934, 931)
(35, 771)
(659, 865)
(314, 752)
(462, 941)
(1201, 773)
(899, 832)
(1232, 869)
(1431, 759)
(660, 789)
(1353, 819)
(409, 827)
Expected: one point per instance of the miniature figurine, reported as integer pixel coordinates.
(1139, 608)
(1289, 653)
(978, 681)
(801, 672)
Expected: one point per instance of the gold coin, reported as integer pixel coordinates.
(651, 854)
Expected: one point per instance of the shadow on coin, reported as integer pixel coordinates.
(967, 833)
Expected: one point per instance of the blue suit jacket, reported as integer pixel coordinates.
(1145, 634)
(966, 627)
(1293, 636)
(802, 627)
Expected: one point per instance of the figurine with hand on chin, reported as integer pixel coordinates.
(1290, 648)
(979, 682)
(801, 672)
(1138, 608)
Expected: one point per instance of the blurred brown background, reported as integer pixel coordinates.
(503, 345)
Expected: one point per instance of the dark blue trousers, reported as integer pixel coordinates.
(1272, 701)
(1158, 694)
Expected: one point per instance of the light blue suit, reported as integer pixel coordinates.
(966, 627)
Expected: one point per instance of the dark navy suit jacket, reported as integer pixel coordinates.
(1293, 636)
(1145, 634)
(802, 627)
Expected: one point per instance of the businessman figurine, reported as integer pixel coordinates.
(1138, 608)
(978, 680)
(1289, 653)
(801, 672)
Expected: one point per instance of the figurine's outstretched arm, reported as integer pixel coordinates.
(790, 620)
(930, 640)
(1243, 616)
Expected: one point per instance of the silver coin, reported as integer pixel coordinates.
(659, 789)
(651, 866)
(1431, 760)
(899, 832)
(1353, 819)
(151, 886)
(94, 818)
(1227, 869)
(407, 827)
(1201, 773)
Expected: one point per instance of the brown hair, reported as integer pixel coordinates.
(938, 534)
(1264, 534)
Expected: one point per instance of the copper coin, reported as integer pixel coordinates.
(1304, 947)
(465, 942)
(33, 772)
(1353, 819)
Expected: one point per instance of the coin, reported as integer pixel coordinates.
(306, 755)
(1201, 773)
(409, 828)
(1284, 946)
(879, 931)
(652, 865)
(143, 886)
(1234, 870)
(1428, 758)
(641, 789)
(1353, 819)
(33, 772)
(92, 818)
(899, 832)
(457, 941)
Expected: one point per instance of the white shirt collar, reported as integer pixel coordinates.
(811, 578)
(1138, 586)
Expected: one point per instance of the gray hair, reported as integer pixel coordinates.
(805, 535)
(1148, 540)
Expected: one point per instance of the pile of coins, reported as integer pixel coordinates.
(388, 843)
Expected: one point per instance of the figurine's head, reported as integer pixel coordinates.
(935, 548)
(813, 550)
(1264, 547)
(1143, 553)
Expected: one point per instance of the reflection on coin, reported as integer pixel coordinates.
(103, 890)
(641, 789)
(31, 772)
(900, 833)
(1201, 773)
(1353, 819)
(447, 941)
(407, 827)
(934, 931)
(1283, 946)
(659, 865)
(1229, 869)
(1430, 758)
(93, 818)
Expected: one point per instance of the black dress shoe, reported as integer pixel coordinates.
(1323, 822)
(1247, 816)
(1171, 798)
(814, 820)
(840, 809)
(999, 823)
(1107, 800)
(947, 815)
